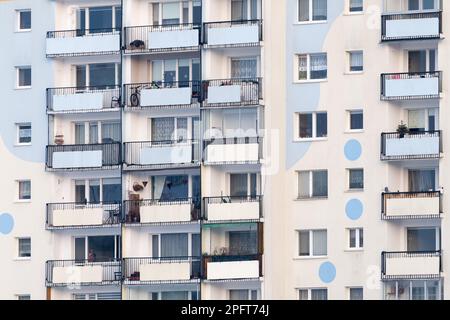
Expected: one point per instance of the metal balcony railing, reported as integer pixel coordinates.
(243, 215)
(411, 146)
(430, 270)
(231, 258)
(410, 35)
(410, 212)
(232, 156)
(222, 93)
(407, 90)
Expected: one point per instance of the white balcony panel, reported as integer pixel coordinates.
(233, 270)
(78, 274)
(166, 155)
(407, 28)
(399, 266)
(233, 211)
(233, 152)
(224, 94)
(412, 145)
(165, 271)
(238, 34)
(78, 101)
(77, 159)
(412, 206)
(166, 213)
(173, 39)
(412, 87)
(78, 217)
(165, 97)
(83, 45)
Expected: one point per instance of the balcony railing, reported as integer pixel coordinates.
(417, 145)
(411, 265)
(173, 94)
(227, 208)
(162, 270)
(232, 92)
(232, 267)
(162, 38)
(83, 156)
(83, 42)
(83, 215)
(242, 150)
(241, 33)
(411, 26)
(411, 205)
(159, 211)
(82, 272)
(162, 154)
(83, 99)
(411, 85)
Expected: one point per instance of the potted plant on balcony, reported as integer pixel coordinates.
(402, 129)
(59, 139)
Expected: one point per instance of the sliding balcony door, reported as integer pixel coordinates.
(423, 239)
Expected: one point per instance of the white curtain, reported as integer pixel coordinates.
(318, 66)
(182, 129)
(303, 184)
(356, 60)
(319, 294)
(303, 67)
(24, 189)
(356, 5)
(79, 133)
(93, 133)
(303, 10)
(239, 294)
(319, 10)
(174, 245)
(171, 13)
(304, 243)
(158, 186)
(319, 243)
(245, 68)
(162, 129)
(111, 132)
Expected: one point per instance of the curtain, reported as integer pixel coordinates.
(182, 129)
(422, 240)
(356, 5)
(318, 66)
(162, 129)
(319, 294)
(174, 245)
(238, 185)
(93, 133)
(245, 68)
(79, 133)
(421, 180)
(158, 186)
(319, 243)
(320, 183)
(171, 13)
(319, 10)
(238, 10)
(94, 191)
(303, 294)
(157, 67)
(303, 10)
(174, 295)
(356, 61)
(416, 119)
(302, 67)
(303, 184)
(304, 243)
(111, 132)
(100, 19)
(239, 294)
(24, 190)
(243, 242)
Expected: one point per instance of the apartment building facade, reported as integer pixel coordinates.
(223, 149)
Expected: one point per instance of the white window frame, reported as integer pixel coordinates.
(249, 293)
(349, 120)
(177, 64)
(87, 185)
(308, 68)
(87, 129)
(190, 121)
(18, 12)
(311, 196)
(309, 290)
(349, 61)
(24, 295)
(189, 234)
(310, 14)
(248, 186)
(18, 182)
(427, 113)
(18, 125)
(160, 292)
(88, 70)
(18, 68)
(18, 239)
(355, 287)
(314, 127)
(117, 245)
(348, 179)
(357, 246)
(87, 18)
(235, 58)
(354, 12)
(311, 244)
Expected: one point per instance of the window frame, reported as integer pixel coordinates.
(349, 120)
(358, 231)
(18, 183)
(349, 171)
(308, 68)
(18, 69)
(18, 20)
(349, 61)
(350, 12)
(18, 126)
(314, 120)
(310, 14)
(19, 256)
(311, 185)
(309, 292)
(311, 244)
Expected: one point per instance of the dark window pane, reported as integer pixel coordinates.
(175, 188)
(320, 183)
(319, 10)
(356, 177)
(305, 125)
(422, 240)
(100, 19)
(101, 248)
(24, 77)
(356, 121)
(25, 20)
(321, 128)
(102, 74)
(174, 245)
(118, 17)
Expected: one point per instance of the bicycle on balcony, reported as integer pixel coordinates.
(135, 96)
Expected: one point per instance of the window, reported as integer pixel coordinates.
(174, 295)
(97, 296)
(355, 293)
(313, 294)
(355, 6)
(423, 239)
(244, 68)
(356, 62)
(243, 294)
(356, 120)
(312, 184)
(413, 290)
(355, 238)
(312, 10)
(172, 70)
(23, 77)
(98, 19)
(24, 20)
(312, 125)
(243, 184)
(24, 189)
(312, 243)
(97, 248)
(312, 66)
(23, 297)
(355, 179)
(24, 247)
(244, 10)
(23, 133)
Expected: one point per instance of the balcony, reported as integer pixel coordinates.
(228, 267)
(411, 146)
(411, 265)
(245, 33)
(229, 209)
(180, 94)
(82, 272)
(246, 150)
(232, 92)
(89, 42)
(161, 154)
(162, 38)
(83, 157)
(411, 205)
(83, 99)
(408, 86)
(144, 212)
(411, 26)
(161, 270)
(78, 215)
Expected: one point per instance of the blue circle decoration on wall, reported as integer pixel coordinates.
(352, 150)
(6, 223)
(354, 209)
(327, 272)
